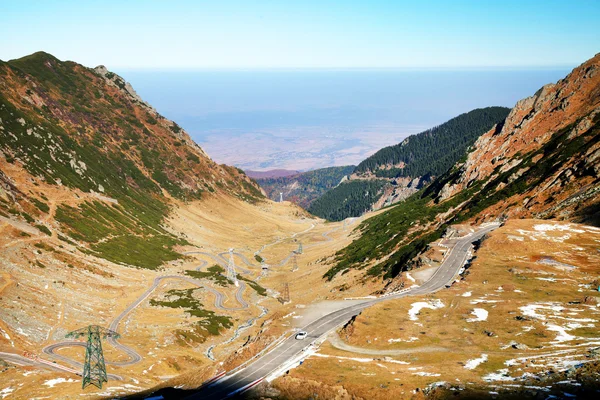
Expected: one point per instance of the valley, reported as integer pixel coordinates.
(476, 273)
(157, 341)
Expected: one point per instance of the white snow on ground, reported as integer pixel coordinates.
(480, 315)
(557, 227)
(7, 337)
(6, 391)
(472, 364)
(466, 294)
(362, 360)
(514, 237)
(562, 336)
(409, 277)
(409, 340)
(52, 382)
(418, 306)
(477, 301)
(423, 373)
(500, 375)
(530, 310)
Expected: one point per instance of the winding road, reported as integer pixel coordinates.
(290, 349)
(133, 356)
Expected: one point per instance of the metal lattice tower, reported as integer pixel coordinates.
(94, 369)
(294, 262)
(285, 296)
(231, 275)
(299, 251)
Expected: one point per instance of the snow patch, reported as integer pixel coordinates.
(556, 227)
(530, 310)
(52, 382)
(409, 340)
(562, 336)
(423, 373)
(418, 306)
(480, 315)
(6, 391)
(472, 364)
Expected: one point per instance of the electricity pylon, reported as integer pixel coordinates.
(285, 297)
(299, 251)
(231, 275)
(94, 369)
(294, 262)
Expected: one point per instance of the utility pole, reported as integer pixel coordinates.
(285, 295)
(231, 275)
(94, 369)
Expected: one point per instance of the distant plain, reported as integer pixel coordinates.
(307, 119)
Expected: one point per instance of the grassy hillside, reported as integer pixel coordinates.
(86, 129)
(305, 187)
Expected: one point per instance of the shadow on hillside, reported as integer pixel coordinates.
(589, 215)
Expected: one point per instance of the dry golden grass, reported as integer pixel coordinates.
(505, 276)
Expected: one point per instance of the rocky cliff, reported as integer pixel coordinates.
(557, 129)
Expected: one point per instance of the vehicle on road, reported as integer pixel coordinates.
(301, 335)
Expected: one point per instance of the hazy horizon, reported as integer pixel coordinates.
(304, 119)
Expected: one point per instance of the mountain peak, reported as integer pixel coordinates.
(38, 57)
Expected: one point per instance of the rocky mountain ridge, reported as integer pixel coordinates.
(543, 162)
(570, 108)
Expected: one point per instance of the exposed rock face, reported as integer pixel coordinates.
(532, 122)
(400, 189)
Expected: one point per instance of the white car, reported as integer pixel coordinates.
(301, 335)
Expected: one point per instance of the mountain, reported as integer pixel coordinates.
(435, 150)
(68, 126)
(542, 162)
(408, 166)
(305, 187)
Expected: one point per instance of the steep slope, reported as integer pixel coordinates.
(543, 162)
(88, 131)
(410, 165)
(435, 150)
(305, 187)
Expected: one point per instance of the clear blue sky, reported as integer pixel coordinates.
(303, 33)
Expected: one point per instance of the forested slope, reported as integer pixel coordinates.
(435, 150)
(403, 169)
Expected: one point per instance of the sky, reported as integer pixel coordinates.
(227, 34)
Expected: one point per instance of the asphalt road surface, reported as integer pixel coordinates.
(290, 348)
